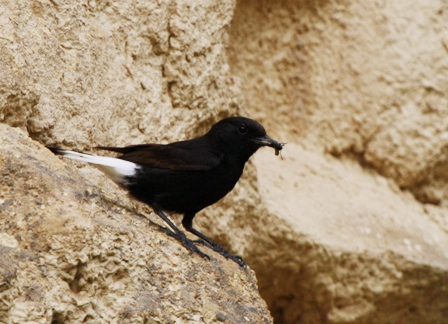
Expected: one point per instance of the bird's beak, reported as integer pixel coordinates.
(267, 141)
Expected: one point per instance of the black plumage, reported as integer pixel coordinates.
(185, 177)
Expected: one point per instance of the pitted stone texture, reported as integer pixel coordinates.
(366, 79)
(107, 73)
(69, 254)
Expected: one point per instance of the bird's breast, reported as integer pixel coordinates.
(186, 191)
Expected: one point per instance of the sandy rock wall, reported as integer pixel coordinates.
(82, 74)
(358, 204)
(352, 77)
(351, 226)
(109, 72)
(350, 246)
(70, 254)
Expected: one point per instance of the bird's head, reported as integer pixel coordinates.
(243, 135)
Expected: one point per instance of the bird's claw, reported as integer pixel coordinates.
(189, 244)
(202, 242)
(235, 258)
(219, 249)
(169, 232)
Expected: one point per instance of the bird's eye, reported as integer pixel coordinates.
(242, 129)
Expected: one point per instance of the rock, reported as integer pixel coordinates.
(355, 226)
(349, 227)
(112, 73)
(71, 254)
(354, 78)
(353, 248)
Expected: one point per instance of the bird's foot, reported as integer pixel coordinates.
(235, 258)
(186, 242)
(202, 242)
(218, 248)
(169, 232)
(189, 245)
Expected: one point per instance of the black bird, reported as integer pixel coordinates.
(185, 177)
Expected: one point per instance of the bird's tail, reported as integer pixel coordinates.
(118, 170)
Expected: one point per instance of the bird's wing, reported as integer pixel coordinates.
(187, 155)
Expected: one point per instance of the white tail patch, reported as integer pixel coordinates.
(116, 169)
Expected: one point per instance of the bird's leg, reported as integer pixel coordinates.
(187, 222)
(179, 235)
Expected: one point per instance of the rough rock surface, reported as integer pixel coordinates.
(351, 226)
(352, 77)
(70, 255)
(110, 72)
(82, 74)
(358, 212)
(359, 249)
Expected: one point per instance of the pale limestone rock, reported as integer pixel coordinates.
(69, 254)
(358, 236)
(365, 78)
(359, 250)
(112, 72)
(356, 227)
